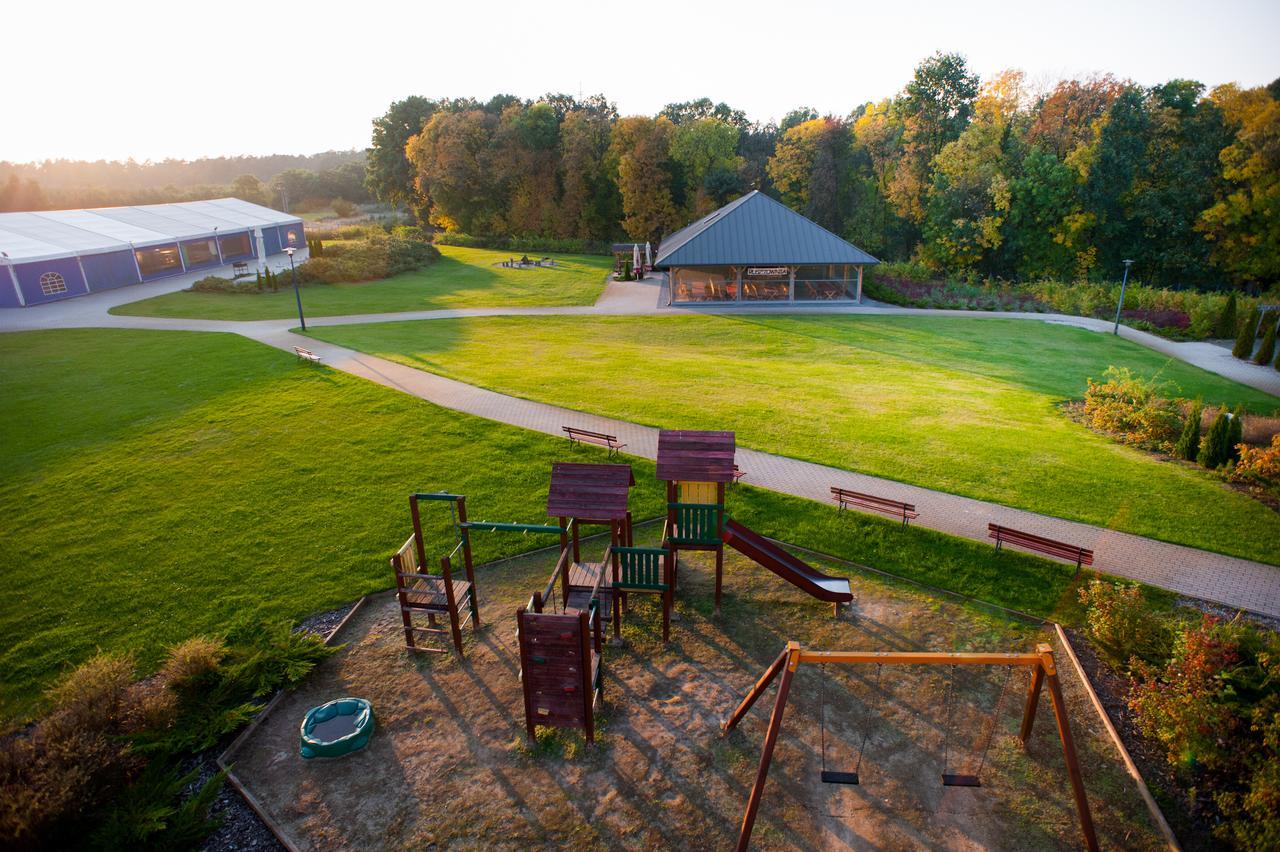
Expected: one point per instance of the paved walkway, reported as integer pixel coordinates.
(1236, 583)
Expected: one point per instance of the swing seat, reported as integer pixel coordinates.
(954, 780)
(832, 777)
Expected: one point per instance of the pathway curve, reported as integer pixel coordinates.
(1237, 583)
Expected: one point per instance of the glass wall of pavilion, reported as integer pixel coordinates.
(781, 283)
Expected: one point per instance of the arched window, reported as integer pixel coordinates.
(51, 284)
(293, 237)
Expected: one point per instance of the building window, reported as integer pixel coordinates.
(205, 251)
(154, 261)
(293, 238)
(235, 245)
(51, 284)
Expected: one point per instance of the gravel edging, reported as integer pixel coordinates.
(242, 828)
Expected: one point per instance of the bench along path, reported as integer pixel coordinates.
(1237, 583)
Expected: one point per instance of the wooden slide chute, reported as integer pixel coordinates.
(1040, 662)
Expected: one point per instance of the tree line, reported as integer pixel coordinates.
(271, 180)
(968, 177)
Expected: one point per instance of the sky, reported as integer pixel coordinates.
(147, 80)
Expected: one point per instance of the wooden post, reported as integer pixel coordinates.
(791, 283)
(614, 573)
(417, 530)
(761, 685)
(524, 678)
(720, 547)
(1033, 701)
(859, 284)
(1068, 747)
(588, 691)
(447, 576)
(577, 556)
(770, 739)
(737, 281)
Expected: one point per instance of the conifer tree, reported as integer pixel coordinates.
(1235, 434)
(1245, 336)
(1214, 450)
(1188, 446)
(1267, 350)
(1228, 319)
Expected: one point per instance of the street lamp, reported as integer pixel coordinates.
(296, 294)
(1119, 307)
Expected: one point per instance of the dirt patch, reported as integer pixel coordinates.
(449, 764)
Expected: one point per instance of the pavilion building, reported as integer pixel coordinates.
(756, 249)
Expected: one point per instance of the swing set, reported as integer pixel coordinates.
(1040, 663)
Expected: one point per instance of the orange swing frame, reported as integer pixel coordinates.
(793, 656)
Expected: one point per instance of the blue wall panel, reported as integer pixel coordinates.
(111, 270)
(29, 277)
(271, 240)
(8, 296)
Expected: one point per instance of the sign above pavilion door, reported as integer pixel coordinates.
(767, 271)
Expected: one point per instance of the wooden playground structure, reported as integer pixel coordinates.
(436, 595)
(1040, 663)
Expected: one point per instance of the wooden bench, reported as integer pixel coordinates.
(586, 436)
(307, 355)
(896, 508)
(1040, 544)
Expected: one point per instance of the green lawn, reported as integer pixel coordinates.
(462, 278)
(155, 485)
(967, 406)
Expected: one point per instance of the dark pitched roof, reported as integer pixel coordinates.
(759, 231)
(591, 492)
(690, 456)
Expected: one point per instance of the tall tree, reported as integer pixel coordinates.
(454, 161)
(935, 108)
(640, 153)
(810, 170)
(1243, 223)
(390, 175)
(526, 161)
(1066, 117)
(705, 149)
(589, 202)
(1109, 167)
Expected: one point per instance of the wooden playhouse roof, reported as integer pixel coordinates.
(694, 456)
(591, 492)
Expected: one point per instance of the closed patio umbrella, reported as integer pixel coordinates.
(635, 262)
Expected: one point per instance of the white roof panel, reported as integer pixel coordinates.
(66, 233)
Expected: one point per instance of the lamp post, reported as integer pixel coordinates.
(296, 293)
(1120, 307)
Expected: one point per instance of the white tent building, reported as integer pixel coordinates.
(60, 254)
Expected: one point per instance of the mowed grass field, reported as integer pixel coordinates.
(157, 485)
(967, 406)
(462, 278)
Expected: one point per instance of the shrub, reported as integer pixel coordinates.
(214, 284)
(1246, 336)
(1215, 450)
(1120, 623)
(1188, 446)
(344, 208)
(1259, 465)
(523, 244)
(1267, 351)
(1235, 433)
(1131, 408)
(1215, 709)
(375, 257)
(1225, 328)
(103, 768)
(1159, 318)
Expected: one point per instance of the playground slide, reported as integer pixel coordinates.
(764, 552)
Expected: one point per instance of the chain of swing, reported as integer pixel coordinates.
(949, 779)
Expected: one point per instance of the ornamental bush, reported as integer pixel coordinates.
(1246, 336)
(1132, 409)
(1215, 449)
(1121, 625)
(1188, 446)
(375, 257)
(1259, 465)
(1267, 351)
(1227, 320)
(1215, 709)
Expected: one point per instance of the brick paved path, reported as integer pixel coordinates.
(1237, 583)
